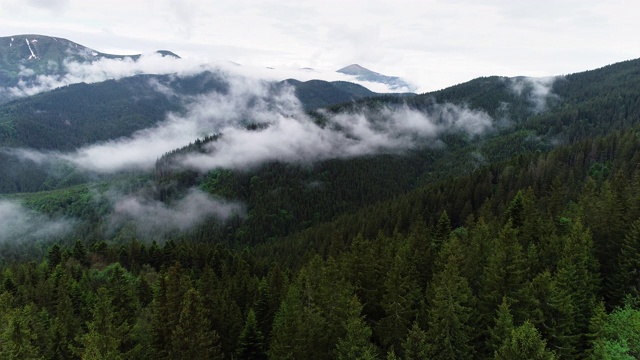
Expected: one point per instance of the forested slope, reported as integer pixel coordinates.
(522, 243)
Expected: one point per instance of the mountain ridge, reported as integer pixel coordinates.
(363, 74)
(25, 57)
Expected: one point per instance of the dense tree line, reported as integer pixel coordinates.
(530, 252)
(535, 257)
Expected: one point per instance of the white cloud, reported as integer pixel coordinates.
(154, 63)
(20, 224)
(291, 136)
(157, 219)
(101, 70)
(434, 43)
(538, 90)
(286, 133)
(55, 6)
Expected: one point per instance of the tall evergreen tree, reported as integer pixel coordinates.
(104, 336)
(398, 302)
(416, 346)
(505, 276)
(524, 343)
(558, 314)
(18, 339)
(502, 328)
(596, 335)
(286, 340)
(442, 231)
(251, 344)
(450, 308)
(356, 344)
(627, 277)
(192, 337)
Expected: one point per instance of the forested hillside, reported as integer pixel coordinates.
(517, 242)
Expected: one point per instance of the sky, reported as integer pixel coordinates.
(433, 43)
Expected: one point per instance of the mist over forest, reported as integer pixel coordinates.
(155, 207)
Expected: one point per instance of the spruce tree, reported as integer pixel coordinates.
(524, 343)
(416, 346)
(628, 272)
(398, 303)
(104, 336)
(251, 344)
(450, 309)
(558, 314)
(193, 337)
(505, 276)
(18, 340)
(502, 328)
(356, 344)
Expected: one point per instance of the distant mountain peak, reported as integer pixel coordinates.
(363, 74)
(25, 57)
(356, 69)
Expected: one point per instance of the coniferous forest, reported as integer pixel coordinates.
(532, 252)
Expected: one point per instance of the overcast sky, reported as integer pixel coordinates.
(434, 43)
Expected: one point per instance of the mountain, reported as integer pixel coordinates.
(364, 74)
(25, 57)
(80, 114)
(465, 246)
(315, 94)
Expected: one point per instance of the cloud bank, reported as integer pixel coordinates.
(538, 90)
(21, 224)
(297, 139)
(154, 63)
(156, 219)
(259, 123)
(101, 70)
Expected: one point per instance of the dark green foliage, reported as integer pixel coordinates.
(524, 343)
(502, 329)
(192, 337)
(416, 346)
(416, 255)
(450, 308)
(251, 344)
(628, 273)
(104, 336)
(356, 344)
(318, 93)
(398, 302)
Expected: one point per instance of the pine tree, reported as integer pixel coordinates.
(251, 344)
(19, 340)
(505, 276)
(363, 270)
(596, 335)
(192, 337)
(398, 303)
(63, 325)
(558, 323)
(55, 256)
(442, 231)
(628, 273)
(524, 343)
(502, 328)
(104, 336)
(578, 275)
(263, 311)
(285, 335)
(356, 344)
(450, 308)
(416, 345)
